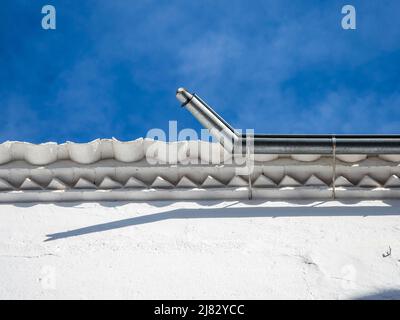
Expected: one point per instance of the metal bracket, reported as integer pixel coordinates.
(333, 167)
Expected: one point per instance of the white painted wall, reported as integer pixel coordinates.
(232, 250)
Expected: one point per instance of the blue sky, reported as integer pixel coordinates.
(111, 68)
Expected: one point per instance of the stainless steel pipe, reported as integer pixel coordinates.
(210, 120)
(326, 145)
(285, 144)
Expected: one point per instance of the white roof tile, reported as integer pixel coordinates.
(124, 170)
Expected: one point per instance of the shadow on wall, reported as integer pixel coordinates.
(392, 294)
(232, 212)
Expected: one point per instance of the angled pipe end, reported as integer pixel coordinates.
(208, 118)
(183, 96)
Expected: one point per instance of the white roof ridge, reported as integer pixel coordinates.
(135, 150)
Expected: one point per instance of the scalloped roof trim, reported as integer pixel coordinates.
(182, 152)
(185, 182)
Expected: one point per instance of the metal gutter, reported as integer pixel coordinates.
(285, 144)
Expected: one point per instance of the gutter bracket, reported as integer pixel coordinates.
(333, 167)
(249, 172)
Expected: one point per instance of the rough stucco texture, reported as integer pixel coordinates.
(230, 250)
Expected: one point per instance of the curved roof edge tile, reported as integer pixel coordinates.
(184, 152)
